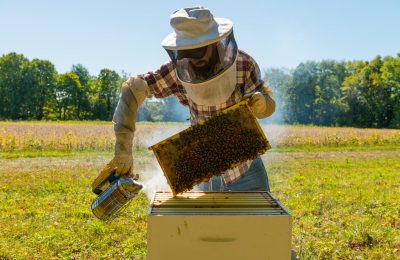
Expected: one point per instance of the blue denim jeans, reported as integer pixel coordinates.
(254, 179)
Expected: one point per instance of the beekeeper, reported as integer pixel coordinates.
(207, 73)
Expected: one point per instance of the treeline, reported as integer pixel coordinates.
(331, 93)
(33, 90)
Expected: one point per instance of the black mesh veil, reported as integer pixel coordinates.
(204, 63)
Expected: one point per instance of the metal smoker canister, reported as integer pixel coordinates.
(117, 195)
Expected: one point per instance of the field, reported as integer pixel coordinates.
(342, 186)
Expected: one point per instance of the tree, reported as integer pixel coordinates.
(301, 94)
(367, 97)
(67, 96)
(327, 104)
(13, 93)
(357, 93)
(39, 79)
(391, 79)
(82, 73)
(106, 88)
(85, 92)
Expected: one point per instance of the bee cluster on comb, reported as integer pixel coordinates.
(210, 148)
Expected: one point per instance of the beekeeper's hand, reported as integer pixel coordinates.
(262, 103)
(257, 103)
(121, 164)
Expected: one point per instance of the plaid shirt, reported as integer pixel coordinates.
(163, 83)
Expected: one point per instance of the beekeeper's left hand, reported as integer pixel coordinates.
(262, 105)
(258, 104)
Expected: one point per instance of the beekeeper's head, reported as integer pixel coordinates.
(201, 46)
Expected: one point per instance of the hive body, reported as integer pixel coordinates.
(218, 225)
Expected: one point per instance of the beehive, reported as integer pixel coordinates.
(218, 225)
(211, 147)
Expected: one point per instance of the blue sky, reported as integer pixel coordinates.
(127, 35)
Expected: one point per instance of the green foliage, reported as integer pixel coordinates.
(367, 96)
(391, 80)
(12, 88)
(39, 81)
(106, 99)
(312, 96)
(356, 93)
(68, 96)
(302, 93)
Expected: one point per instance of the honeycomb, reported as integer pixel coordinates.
(210, 148)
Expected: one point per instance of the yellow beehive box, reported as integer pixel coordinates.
(211, 147)
(218, 225)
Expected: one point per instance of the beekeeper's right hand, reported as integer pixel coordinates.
(122, 165)
(133, 93)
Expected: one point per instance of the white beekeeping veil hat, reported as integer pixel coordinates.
(201, 47)
(195, 27)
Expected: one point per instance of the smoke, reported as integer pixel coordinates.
(147, 137)
(163, 110)
(151, 174)
(153, 180)
(274, 126)
(279, 81)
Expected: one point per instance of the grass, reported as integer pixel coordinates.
(344, 204)
(344, 199)
(45, 205)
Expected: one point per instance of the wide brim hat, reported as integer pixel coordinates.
(195, 27)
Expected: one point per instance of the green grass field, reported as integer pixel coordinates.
(345, 202)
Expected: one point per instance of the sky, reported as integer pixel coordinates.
(126, 35)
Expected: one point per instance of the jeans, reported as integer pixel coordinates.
(254, 179)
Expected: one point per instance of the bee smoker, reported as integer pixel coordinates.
(114, 194)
